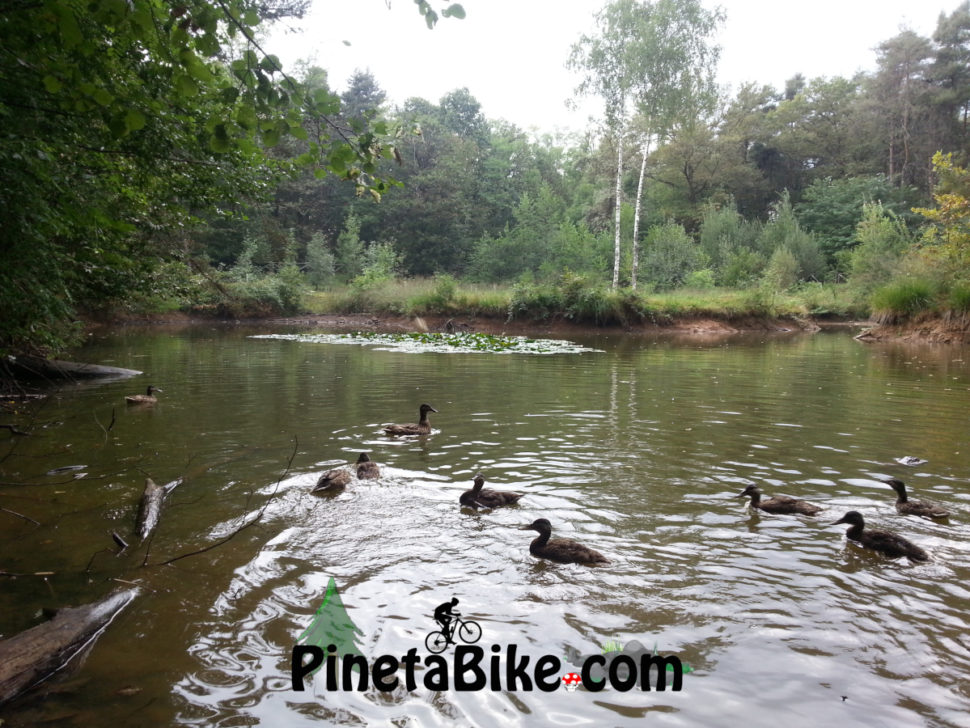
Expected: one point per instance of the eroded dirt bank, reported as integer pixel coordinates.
(548, 327)
(946, 329)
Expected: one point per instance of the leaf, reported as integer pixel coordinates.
(52, 85)
(186, 85)
(134, 120)
(454, 10)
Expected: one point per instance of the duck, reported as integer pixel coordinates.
(914, 507)
(885, 542)
(560, 549)
(367, 469)
(487, 498)
(779, 503)
(423, 427)
(332, 481)
(147, 398)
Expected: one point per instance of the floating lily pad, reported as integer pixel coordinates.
(463, 343)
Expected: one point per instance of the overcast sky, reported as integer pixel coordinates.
(511, 54)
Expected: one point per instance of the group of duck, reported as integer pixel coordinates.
(544, 546)
(567, 551)
(886, 542)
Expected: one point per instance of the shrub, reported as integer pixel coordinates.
(899, 300)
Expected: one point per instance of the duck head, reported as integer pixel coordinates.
(425, 408)
(897, 485)
(541, 525)
(853, 518)
(750, 490)
(363, 458)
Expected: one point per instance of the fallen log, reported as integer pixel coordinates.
(33, 366)
(36, 654)
(150, 508)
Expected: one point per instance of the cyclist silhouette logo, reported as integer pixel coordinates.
(451, 624)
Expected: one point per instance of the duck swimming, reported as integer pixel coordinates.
(914, 508)
(560, 549)
(486, 498)
(332, 481)
(423, 427)
(882, 541)
(147, 398)
(779, 503)
(367, 469)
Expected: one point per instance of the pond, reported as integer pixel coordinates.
(635, 446)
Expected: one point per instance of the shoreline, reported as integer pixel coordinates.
(702, 326)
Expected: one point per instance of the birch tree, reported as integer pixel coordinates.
(652, 61)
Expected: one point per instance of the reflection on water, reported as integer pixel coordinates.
(638, 451)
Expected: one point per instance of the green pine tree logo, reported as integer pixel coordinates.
(332, 626)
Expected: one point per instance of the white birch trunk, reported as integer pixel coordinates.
(636, 216)
(619, 204)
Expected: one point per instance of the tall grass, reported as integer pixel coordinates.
(902, 299)
(577, 299)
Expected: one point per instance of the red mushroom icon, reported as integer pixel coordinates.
(571, 681)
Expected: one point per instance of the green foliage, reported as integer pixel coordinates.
(575, 298)
(958, 298)
(134, 117)
(700, 279)
(781, 274)
(669, 256)
(902, 299)
(883, 240)
(320, 262)
(348, 256)
(832, 209)
(729, 242)
(783, 231)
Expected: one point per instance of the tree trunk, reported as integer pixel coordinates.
(37, 653)
(636, 216)
(619, 204)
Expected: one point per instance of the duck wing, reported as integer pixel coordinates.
(785, 504)
(570, 552)
(921, 508)
(493, 498)
(368, 471)
(892, 544)
(332, 481)
(410, 429)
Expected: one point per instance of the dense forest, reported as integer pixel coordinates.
(156, 159)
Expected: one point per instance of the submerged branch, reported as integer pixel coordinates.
(243, 527)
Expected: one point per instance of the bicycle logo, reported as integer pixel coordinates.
(452, 624)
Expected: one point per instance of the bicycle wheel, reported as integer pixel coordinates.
(436, 642)
(470, 632)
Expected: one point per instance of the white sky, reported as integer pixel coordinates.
(511, 54)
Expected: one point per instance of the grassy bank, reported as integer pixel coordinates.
(572, 298)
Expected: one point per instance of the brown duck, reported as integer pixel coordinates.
(147, 398)
(560, 549)
(367, 469)
(885, 542)
(914, 507)
(332, 481)
(422, 427)
(779, 503)
(479, 497)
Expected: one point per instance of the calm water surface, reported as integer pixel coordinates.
(637, 450)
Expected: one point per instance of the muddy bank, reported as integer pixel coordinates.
(552, 327)
(948, 328)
